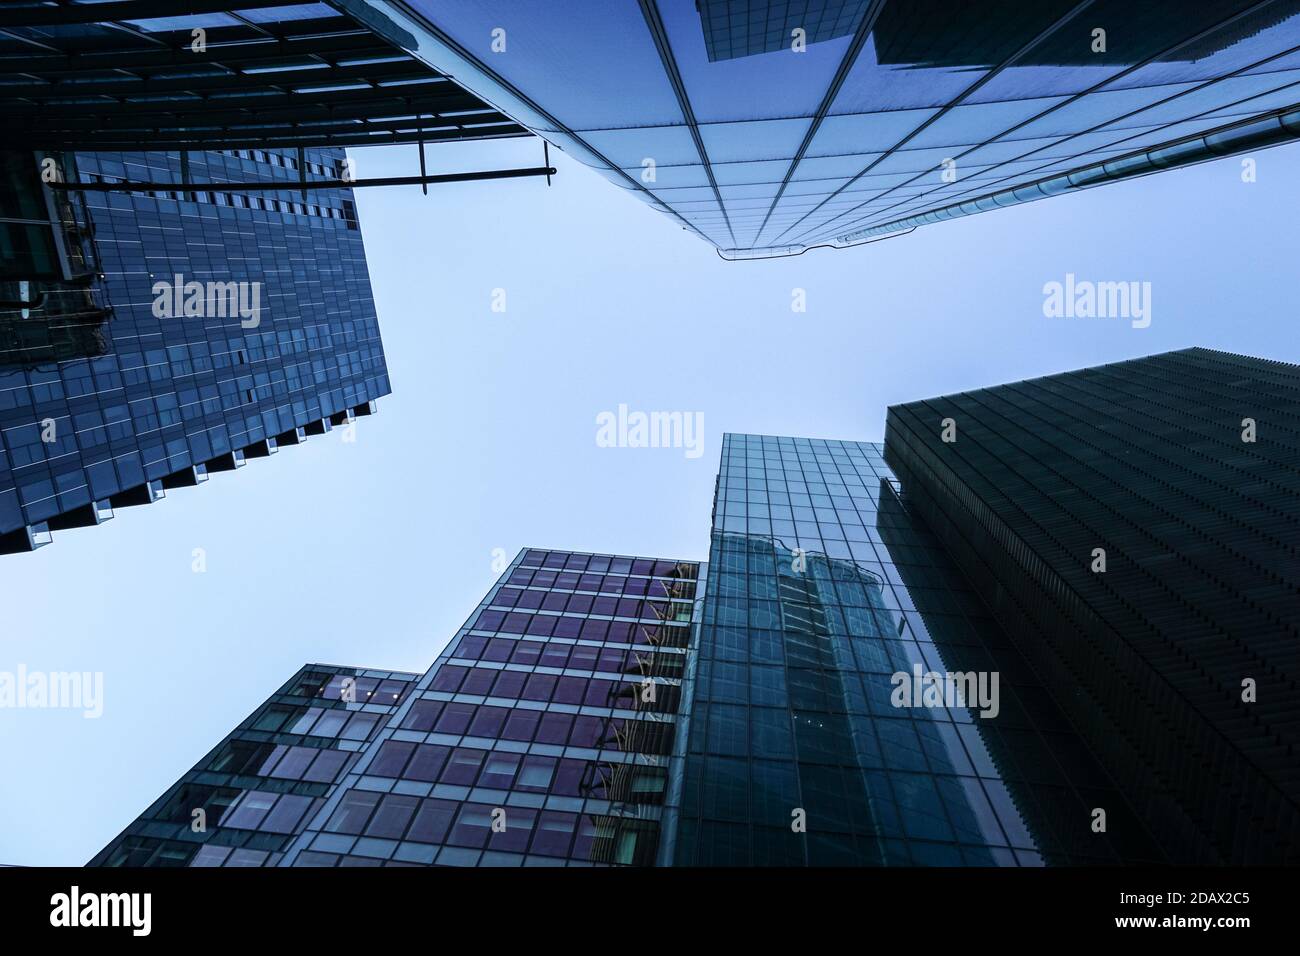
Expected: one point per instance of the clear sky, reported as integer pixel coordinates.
(372, 553)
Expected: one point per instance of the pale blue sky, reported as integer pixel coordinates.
(373, 553)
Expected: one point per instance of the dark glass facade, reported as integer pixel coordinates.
(894, 113)
(1134, 529)
(104, 403)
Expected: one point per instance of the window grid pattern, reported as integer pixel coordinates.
(1145, 460)
(777, 151)
(551, 714)
(171, 393)
(792, 708)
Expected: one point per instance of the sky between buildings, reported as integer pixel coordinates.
(374, 552)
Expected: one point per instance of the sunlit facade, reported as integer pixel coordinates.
(769, 128)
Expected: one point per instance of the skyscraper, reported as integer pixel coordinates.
(768, 128)
(198, 328)
(149, 337)
(897, 654)
(821, 589)
(1134, 529)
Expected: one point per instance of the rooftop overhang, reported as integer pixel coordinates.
(197, 74)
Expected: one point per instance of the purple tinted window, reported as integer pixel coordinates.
(288, 810)
(519, 830)
(604, 605)
(448, 678)
(568, 580)
(554, 728)
(584, 657)
(527, 652)
(326, 766)
(567, 627)
(580, 603)
(462, 766)
(628, 607)
(499, 771)
(555, 601)
(521, 724)
(569, 690)
(555, 655)
(585, 838)
(454, 719)
(423, 715)
(509, 684)
(568, 779)
(472, 826)
(515, 623)
(611, 660)
(488, 721)
(499, 649)
(535, 774)
(620, 632)
(489, 621)
(478, 681)
(589, 582)
(394, 813)
(598, 693)
(391, 758)
(432, 821)
(542, 625)
(544, 579)
(530, 600)
(539, 687)
(471, 647)
(506, 597)
(620, 565)
(593, 630)
(587, 731)
(427, 763)
(554, 833)
(520, 576)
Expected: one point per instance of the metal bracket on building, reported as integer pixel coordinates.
(130, 186)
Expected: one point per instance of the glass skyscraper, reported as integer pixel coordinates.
(1134, 529)
(767, 128)
(898, 654)
(201, 327)
(822, 587)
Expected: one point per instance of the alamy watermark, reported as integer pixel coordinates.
(1085, 299)
(628, 429)
(205, 300)
(57, 690)
(922, 688)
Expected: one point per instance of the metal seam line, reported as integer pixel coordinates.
(1092, 89)
(987, 77)
(655, 23)
(837, 81)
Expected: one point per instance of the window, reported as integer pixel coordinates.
(352, 812)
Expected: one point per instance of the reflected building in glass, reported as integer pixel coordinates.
(768, 128)
(897, 654)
